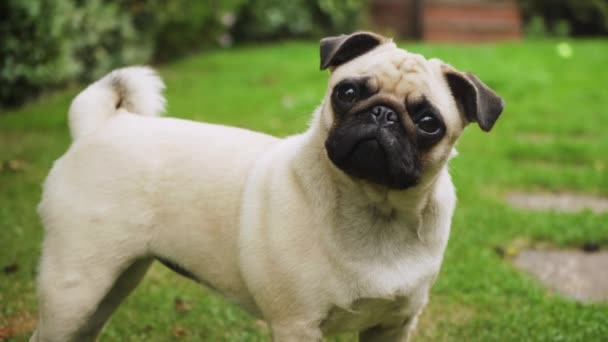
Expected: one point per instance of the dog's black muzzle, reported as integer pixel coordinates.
(374, 145)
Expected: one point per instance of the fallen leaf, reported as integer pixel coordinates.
(5, 333)
(16, 165)
(21, 325)
(10, 269)
(500, 251)
(182, 306)
(591, 247)
(179, 331)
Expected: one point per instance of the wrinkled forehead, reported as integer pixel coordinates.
(395, 71)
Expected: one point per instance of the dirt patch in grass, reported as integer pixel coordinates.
(576, 274)
(563, 201)
(20, 325)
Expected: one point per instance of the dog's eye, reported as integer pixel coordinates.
(347, 92)
(428, 124)
(430, 127)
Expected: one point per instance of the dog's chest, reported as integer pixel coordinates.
(365, 313)
(382, 292)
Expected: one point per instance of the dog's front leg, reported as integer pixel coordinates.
(390, 333)
(296, 331)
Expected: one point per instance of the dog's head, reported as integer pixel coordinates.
(392, 117)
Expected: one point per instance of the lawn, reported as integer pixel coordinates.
(551, 137)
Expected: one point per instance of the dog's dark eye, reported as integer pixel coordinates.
(347, 92)
(430, 127)
(428, 124)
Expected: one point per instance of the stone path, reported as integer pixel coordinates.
(576, 274)
(563, 201)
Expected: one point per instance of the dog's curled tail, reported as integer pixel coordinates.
(136, 89)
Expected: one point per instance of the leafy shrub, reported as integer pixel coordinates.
(536, 28)
(269, 19)
(46, 43)
(340, 16)
(177, 27)
(103, 37)
(33, 52)
(562, 17)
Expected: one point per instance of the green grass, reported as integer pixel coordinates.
(552, 137)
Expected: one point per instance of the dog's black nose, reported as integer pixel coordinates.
(384, 116)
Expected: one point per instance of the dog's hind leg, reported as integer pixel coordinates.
(80, 288)
(126, 282)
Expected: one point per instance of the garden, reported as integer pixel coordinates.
(550, 140)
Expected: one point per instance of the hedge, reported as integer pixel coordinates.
(49, 43)
(567, 17)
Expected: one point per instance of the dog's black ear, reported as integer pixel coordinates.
(478, 102)
(341, 49)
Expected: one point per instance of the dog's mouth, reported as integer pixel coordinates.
(376, 154)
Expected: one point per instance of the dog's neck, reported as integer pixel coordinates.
(395, 218)
(362, 194)
(401, 211)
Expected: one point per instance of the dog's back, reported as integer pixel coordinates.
(133, 187)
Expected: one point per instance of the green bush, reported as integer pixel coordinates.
(33, 52)
(178, 27)
(103, 37)
(270, 19)
(340, 16)
(562, 17)
(47, 43)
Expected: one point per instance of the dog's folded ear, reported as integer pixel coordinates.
(478, 102)
(341, 49)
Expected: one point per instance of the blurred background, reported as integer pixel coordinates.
(49, 43)
(528, 255)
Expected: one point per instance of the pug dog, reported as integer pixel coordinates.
(340, 228)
